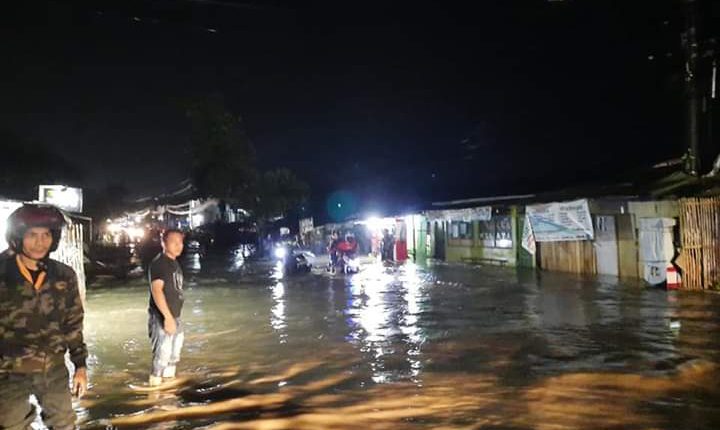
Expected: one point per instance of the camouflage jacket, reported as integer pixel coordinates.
(38, 326)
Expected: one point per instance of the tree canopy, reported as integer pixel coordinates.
(224, 164)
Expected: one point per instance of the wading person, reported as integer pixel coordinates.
(332, 250)
(388, 243)
(166, 301)
(41, 317)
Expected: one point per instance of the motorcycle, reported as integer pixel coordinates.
(343, 258)
(348, 263)
(292, 259)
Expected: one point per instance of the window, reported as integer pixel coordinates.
(496, 233)
(461, 230)
(486, 234)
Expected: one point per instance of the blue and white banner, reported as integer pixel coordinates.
(557, 222)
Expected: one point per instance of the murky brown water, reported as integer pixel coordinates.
(441, 347)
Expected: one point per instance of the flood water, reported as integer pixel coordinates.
(442, 347)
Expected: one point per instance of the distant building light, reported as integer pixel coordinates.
(66, 198)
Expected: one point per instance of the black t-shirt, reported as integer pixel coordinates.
(169, 271)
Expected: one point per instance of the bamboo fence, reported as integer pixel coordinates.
(700, 238)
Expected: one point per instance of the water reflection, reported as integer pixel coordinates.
(220, 260)
(277, 319)
(408, 347)
(584, 323)
(412, 283)
(383, 314)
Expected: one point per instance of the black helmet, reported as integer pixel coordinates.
(34, 215)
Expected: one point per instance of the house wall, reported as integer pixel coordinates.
(417, 237)
(574, 257)
(627, 246)
(626, 215)
(472, 250)
(655, 209)
(464, 253)
(577, 256)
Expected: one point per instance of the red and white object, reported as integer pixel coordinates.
(673, 278)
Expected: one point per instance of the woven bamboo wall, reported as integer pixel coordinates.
(699, 230)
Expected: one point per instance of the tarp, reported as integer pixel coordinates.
(557, 222)
(655, 238)
(528, 238)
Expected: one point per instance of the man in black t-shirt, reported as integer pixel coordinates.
(166, 300)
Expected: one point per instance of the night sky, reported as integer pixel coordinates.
(398, 103)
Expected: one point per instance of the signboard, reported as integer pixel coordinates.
(557, 222)
(483, 213)
(66, 198)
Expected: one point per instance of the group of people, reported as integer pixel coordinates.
(338, 247)
(41, 319)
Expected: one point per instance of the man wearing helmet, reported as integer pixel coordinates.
(41, 317)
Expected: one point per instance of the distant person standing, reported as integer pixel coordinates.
(375, 245)
(388, 245)
(166, 301)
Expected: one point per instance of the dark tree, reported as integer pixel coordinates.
(224, 164)
(223, 156)
(279, 191)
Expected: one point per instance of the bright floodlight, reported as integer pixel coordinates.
(280, 252)
(374, 223)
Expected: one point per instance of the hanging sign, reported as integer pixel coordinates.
(483, 213)
(528, 238)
